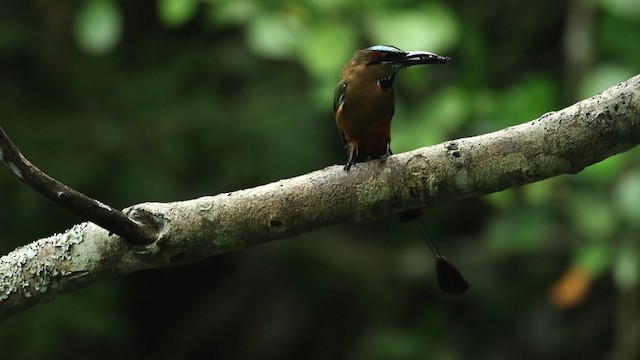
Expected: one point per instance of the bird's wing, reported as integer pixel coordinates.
(338, 102)
(338, 97)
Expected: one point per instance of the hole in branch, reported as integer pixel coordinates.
(276, 224)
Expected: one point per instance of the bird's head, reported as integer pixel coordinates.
(391, 56)
(381, 63)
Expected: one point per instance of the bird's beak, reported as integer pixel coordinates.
(422, 57)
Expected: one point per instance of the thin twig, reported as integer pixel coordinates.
(93, 210)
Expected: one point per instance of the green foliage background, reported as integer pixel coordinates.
(133, 101)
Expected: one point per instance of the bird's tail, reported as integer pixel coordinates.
(449, 277)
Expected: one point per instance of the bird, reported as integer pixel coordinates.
(363, 105)
(364, 102)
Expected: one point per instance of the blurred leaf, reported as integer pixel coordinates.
(325, 69)
(518, 231)
(603, 77)
(330, 5)
(275, 35)
(236, 12)
(592, 215)
(618, 39)
(571, 289)
(174, 13)
(515, 105)
(518, 104)
(432, 27)
(502, 199)
(397, 345)
(626, 268)
(322, 55)
(485, 104)
(540, 192)
(98, 26)
(604, 171)
(623, 8)
(626, 195)
(594, 257)
(447, 108)
(440, 116)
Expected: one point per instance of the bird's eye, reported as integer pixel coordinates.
(379, 57)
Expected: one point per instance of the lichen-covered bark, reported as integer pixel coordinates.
(556, 143)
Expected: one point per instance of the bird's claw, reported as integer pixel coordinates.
(384, 157)
(348, 166)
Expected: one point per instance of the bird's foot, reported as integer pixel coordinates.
(348, 165)
(384, 157)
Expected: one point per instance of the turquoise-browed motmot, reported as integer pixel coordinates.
(364, 106)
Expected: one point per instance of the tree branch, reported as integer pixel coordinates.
(559, 142)
(73, 200)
